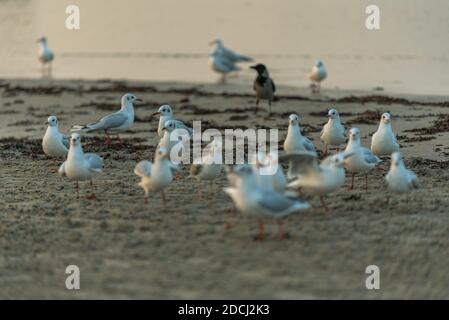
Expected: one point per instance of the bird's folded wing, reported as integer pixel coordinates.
(95, 162)
(65, 142)
(182, 125)
(308, 144)
(114, 120)
(225, 65)
(278, 204)
(369, 157)
(143, 168)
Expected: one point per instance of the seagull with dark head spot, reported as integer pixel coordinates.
(263, 85)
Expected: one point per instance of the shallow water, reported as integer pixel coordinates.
(167, 40)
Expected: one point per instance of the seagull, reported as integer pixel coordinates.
(165, 113)
(210, 166)
(295, 141)
(317, 75)
(252, 200)
(114, 123)
(362, 160)
(263, 85)
(333, 133)
(54, 143)
(156, 176)
(384, 142)
(168, 141)
(223, 60)
(46, 55)
(80, 166)
(319, 179)
(400, 179)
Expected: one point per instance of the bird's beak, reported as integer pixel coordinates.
(155, 114)
(164, 129)
(253, 67)
(211, 43)
(138, 100)
(46, 123)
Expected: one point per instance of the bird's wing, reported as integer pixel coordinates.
(95, 162)
(278, 204)
(65, 141)
(273, 85)
(369, 157)
(143, 168)
(301, 162)
(225, 65)
(61, 170)
(182, 125)
(413, 179)
(110, 121)
(308, 145)
(232, 55)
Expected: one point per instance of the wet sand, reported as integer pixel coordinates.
(126, 249)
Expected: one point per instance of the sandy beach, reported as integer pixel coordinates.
(126, 249)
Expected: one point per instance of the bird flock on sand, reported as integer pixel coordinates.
(253, 191)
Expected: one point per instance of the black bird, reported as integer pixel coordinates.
(263, 85)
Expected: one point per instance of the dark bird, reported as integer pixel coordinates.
(263, 85)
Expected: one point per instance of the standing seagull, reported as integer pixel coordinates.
(263, 85)
(80, 166)
(210, 165)
(252, 200)
(223, 60)
(317, 75)
(114, 123)
(362, 159)
(165, 113)
(155, 176)
(384, 142)
(399, 179)
(54, 143)
(46, 55)
(295, 141)
(333, 133)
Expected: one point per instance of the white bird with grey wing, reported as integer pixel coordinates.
(165, 113)
(254, 201)
(295, 141)
(46, 55)
(263, 86)
(80, 166)
(209, 167)
(224, 60)
(54, 143)
(383, 141)
(114, 123)
(317, 75)
(157, 176)
(362, 160)
(333, 132)
(400, 179)
(318, 179)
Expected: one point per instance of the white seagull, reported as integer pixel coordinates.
(46, 55)
(165, 113)
(362, 159)
(317, 75)
(400, 179)
(319, 179)
(295, 141)
(80, 166)
(54, 143)
(155, 176)
(209, 167)
(114, 123)
(333, 132)
(254, 201)
(383, 142)
(224, 60)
